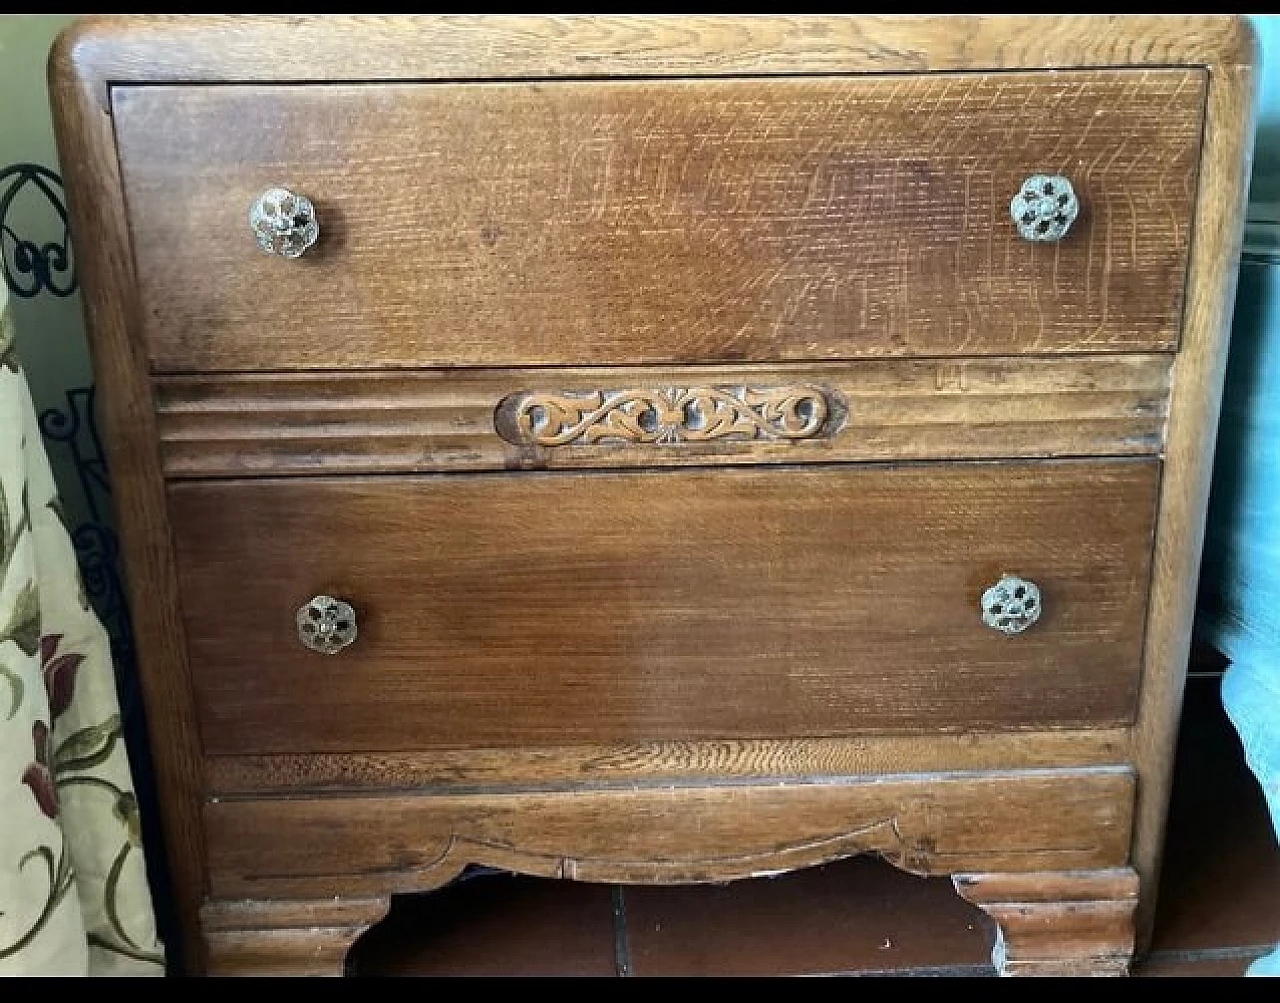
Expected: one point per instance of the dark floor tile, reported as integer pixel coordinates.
(859, 915)
(495, 924)
(1220, 885)
(1174, 964)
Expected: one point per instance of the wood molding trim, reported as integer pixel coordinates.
(279, 424)
(285, 937)
(1058, 922)
(924, 823)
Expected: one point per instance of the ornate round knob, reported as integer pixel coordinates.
(326, 625)
(1011, 605)
(284, 223)
(1045, 208)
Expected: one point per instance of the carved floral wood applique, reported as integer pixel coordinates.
(667, 415)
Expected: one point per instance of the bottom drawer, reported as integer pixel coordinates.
(556, 608)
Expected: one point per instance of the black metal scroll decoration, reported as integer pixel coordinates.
(31, 267)
(97, 553)
(95, 541)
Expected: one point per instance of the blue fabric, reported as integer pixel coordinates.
(1251, 696)
(1239, 610)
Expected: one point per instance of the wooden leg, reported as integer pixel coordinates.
(1058, 922)
(283, 937)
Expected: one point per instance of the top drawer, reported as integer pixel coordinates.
(660, 221)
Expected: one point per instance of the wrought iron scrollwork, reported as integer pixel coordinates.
(95, 540)
(77, 429)
(32, 266)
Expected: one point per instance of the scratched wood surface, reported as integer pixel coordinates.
(1059, 922)
(1193, 423)
(660, 221)
(305, 423)
(444, 770)
(287, 47)
(561, 608)
(104, 55)
(104, 267)
(927, 824)
(285, 937)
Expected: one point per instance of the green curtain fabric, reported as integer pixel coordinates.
(74, 898)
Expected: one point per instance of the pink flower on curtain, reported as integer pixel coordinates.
(38, 776)
(60, 684)
(59, 674)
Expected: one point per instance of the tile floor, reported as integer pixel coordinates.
(1219, 905)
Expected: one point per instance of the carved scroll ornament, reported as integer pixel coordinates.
(666, 415)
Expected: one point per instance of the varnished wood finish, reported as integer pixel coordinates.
(1192, 428)
(552, 609)
(285, 937)
(104, 267)
(286, 48)
(669, 415)
(422, 421)
(472, 769)
(924, 823)
(569, 54)
(1068, 922)
(673, 221)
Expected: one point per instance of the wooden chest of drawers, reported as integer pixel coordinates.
(658, 449)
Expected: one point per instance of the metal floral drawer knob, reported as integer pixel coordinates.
(1011, 605)
(326, 625)
(1045, 207)
(284, 223)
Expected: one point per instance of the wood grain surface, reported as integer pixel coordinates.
(419, 421)
(284, 937)
(564, 608)
(546, 56)
(1058, 922)
(558, 767)
(660, 221)
(927, 824)
(235, 48)
(104, 267)
(1192, 432)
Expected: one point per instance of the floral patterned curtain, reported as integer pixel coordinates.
(74, 897)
